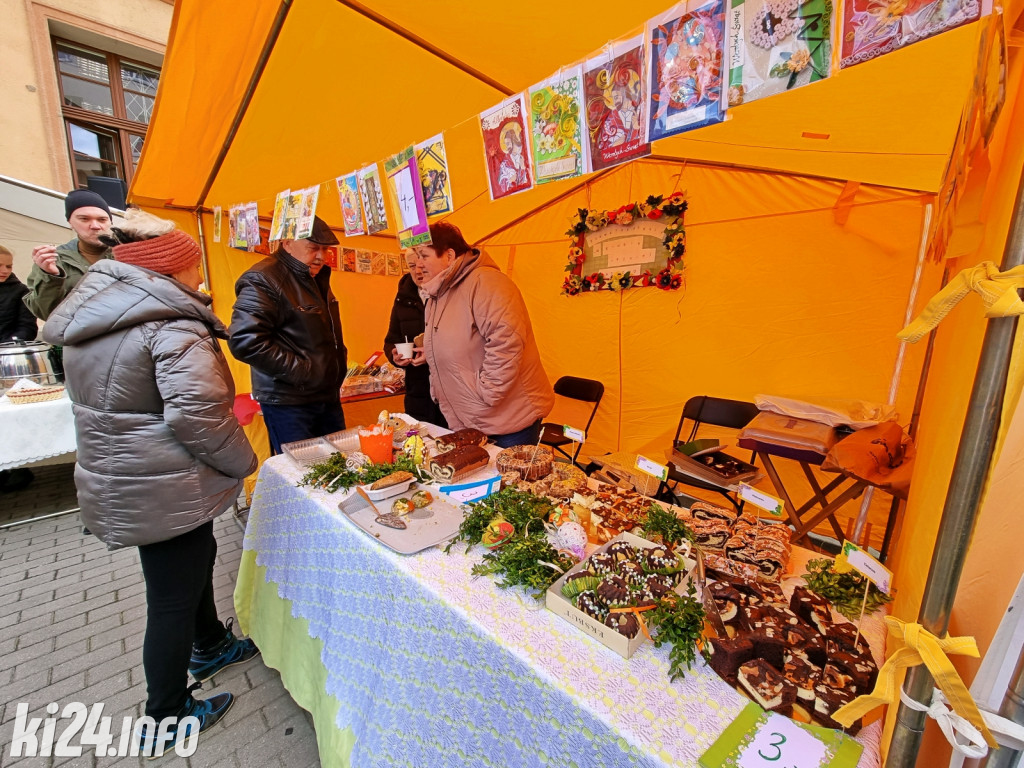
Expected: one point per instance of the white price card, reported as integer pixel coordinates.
(577, 435)
(644, 464)
(479, 489)
(781, 743)
(877, 573)
(761, 499)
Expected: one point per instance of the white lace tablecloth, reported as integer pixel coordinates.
(35, 431)
(434, 667)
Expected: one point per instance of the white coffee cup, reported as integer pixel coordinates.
(405, 349)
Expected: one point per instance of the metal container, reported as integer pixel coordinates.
(25, 360)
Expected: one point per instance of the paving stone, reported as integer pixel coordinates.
(75, 612)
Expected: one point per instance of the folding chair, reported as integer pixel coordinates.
(584, 390)
(719, 412)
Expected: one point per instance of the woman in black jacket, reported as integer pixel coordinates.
(16, 322)
(406, 324)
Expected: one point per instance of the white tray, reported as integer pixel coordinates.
(306, 453)
(386, 493)
(427, 527)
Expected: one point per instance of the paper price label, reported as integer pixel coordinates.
(652, 468)
(781, 743)
(761, 499)
(577, 435)
(877, 573)
(474, 491)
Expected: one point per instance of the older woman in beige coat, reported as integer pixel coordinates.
(485, 369)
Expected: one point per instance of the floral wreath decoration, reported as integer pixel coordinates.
(654, 207)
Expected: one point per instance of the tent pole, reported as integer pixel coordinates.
(960, 511)
(204, 256)
(250, 89)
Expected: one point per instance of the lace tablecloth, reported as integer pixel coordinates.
(32, 432)
(433, 666)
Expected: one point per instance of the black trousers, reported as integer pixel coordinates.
(180, 610)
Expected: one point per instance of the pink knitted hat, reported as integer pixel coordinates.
(167, 254)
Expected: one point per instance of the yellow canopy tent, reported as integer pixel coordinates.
(808, 222)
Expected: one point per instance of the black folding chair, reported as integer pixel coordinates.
(584, 390)
(717, 411)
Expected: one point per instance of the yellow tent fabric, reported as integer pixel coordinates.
(796, 281)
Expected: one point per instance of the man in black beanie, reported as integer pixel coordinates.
(58, 268)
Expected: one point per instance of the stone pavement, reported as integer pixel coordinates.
(72, 620)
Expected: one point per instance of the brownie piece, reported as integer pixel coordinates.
(781, 615)
(816, 650)
(846, 637)
(769, 645)
(797, 635)
(827, 700)
(725, 655)
(861, 669)
(812, 608)
(766, 685)
(834, 677)
(804, 675)
(723, 590)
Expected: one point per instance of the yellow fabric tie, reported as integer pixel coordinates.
(997, 289)
(920, 646)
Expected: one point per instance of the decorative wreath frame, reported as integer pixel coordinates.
(672, 207)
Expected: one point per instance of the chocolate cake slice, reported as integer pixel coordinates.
(768, 645)
(725, 655)
(812, 608)
(766, 685)
(846, 636)
(827, 700)
(804, 675)
(861, 669)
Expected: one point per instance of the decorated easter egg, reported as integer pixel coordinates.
(571, 536)
(497, 533)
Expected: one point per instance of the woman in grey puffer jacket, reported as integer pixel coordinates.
(160, 453)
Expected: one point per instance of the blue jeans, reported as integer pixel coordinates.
(528, 436)
(288, 423)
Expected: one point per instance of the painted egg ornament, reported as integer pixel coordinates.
(561, 515)
(571, 536)
(497, 533)
(414, 449)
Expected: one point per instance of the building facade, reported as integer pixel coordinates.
(78, 86)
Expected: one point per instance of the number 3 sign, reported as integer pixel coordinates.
(780, 743)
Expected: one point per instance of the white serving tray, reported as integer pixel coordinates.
(427, 527)
(386, 493)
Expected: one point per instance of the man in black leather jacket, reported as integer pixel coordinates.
(285, 325)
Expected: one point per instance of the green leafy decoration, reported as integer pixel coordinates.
(844, 590)
(678, 620)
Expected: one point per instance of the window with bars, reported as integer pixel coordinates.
(107, 102)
